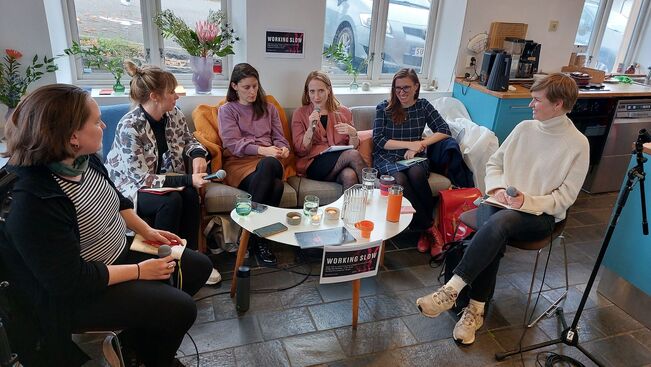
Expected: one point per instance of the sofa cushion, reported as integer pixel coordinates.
(363, 117)
(365, 147)
(220, 197)
(327, 192)
(437, 183)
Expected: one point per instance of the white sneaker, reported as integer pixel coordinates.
(471, 320)
(110, 354)
(433, 304)
(214, 277)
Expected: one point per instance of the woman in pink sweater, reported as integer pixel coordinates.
(320, 123)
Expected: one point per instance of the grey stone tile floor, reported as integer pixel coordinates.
(310, 324)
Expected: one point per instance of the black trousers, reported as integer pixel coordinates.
(153, 315)
(177, 212)
(265, 184)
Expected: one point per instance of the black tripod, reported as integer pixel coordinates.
(570, 335)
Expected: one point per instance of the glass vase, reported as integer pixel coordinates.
(353, 85)
(118, 88)
(202, 74)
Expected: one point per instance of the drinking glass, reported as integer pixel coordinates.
(369, 175)
(395, 203)
(243, 204)
(310, 205)
(386, 181)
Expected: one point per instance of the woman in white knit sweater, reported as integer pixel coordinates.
(546, 159)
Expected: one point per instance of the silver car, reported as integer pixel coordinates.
(349, 22)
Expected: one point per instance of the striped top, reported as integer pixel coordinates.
(102, 230)
(420, 114)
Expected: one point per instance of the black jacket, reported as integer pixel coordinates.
(40, 255)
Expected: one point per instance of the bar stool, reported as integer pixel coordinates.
(469, 218)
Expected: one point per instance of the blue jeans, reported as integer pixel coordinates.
(481, 260)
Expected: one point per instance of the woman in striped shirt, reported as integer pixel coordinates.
(64, 247)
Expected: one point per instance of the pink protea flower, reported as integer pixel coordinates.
(13, 53)
(206, 32)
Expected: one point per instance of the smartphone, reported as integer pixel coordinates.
(270, 230)
(257, 207)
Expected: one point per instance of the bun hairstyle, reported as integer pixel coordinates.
(148, 79)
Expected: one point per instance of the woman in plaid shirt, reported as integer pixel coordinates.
(397, 135)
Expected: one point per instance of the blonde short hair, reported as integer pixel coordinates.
(558, 87)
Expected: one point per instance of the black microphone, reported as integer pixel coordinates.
(219, 175)
(512, 191)
(317, 109)
(644, 136)
(165, 251)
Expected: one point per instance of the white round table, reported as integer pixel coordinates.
(376, 209)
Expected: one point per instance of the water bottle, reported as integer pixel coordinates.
(243, 287)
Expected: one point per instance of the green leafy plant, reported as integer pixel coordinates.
(337, 52)
(103, 54)
(13, 84)
(213, 36)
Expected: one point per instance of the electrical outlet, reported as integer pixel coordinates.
(553, 25)
(470, 61)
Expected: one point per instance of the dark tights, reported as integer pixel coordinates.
(348, 169)
(417, 190)
(265, 184)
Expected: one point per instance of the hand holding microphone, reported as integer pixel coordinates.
(315, 116)
(514, 198)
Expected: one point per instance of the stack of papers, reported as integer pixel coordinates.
(411, 162)
(336, 148)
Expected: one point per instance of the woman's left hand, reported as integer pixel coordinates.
(158, 235)
(515, 201)
(345, 129)
(409, 154)
(284, 152)
(199, 165)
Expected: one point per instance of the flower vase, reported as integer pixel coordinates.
(118, 88)
(353, 85)
(202, 74)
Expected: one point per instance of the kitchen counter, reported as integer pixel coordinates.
(615, 90)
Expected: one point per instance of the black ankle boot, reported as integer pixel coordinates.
(263, 253)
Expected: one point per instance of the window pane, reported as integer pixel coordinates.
(613, 40)
(404, 42)
(191, 11)
(115, 25)
(348, 22)
(587, 22)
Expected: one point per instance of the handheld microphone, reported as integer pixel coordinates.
(316, 109)
(512, 191)
(165, 251)
(219, 175)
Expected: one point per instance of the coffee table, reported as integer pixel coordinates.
(376, 210)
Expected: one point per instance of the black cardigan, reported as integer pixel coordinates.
(40, 256)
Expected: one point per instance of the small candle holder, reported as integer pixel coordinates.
(294, 218)
(331, 213)
(315, 218)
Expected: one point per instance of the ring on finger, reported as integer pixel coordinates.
(170, 266)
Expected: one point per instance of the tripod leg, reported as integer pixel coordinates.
(504, 355)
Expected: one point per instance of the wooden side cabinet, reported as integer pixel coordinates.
(500, 115)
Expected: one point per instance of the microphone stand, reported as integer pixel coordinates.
(570, 335)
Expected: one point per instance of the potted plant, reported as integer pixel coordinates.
(104, 54)
(337, 52)
(211, 37)
(13, 83)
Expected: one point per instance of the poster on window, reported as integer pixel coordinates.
(284, 44)
(350, 262)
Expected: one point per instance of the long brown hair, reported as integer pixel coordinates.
(394, 108)
(148, 79)
(242, 71)
(40, 128)
(332, 103)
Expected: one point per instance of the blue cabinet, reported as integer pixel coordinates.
(498, 114)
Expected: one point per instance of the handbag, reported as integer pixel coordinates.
(452, 203)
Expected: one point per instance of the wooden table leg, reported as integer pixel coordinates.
(384, 245)
(241, 253)
(356, 286)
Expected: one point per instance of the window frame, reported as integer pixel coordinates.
(153, 45)
(374, 75)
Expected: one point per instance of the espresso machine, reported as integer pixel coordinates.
(528, 64)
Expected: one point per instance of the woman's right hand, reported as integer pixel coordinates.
(157, 269)
(416, 146)
(271, 151)
(314, 116)
(500, 196)
(198, 181)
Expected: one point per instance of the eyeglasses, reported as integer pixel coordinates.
(406, 89)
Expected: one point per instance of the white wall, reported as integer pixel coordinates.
(23, 27)
(556, 46)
